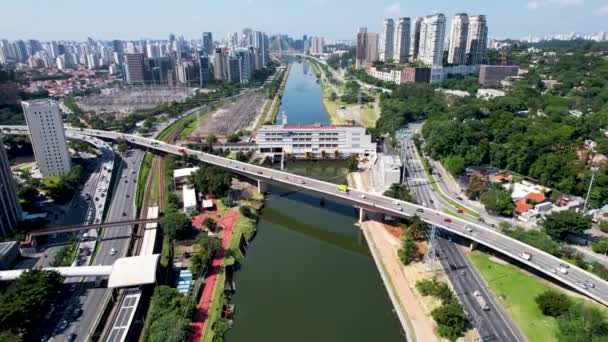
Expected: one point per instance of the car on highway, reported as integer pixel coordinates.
(124, 214)
(112, 251)
(302, 181)
(468, 229)
(419, 210)
(582, 284)
(589, 283)
(447, 220)
(62, 325)
(363, 196)
(460, 211)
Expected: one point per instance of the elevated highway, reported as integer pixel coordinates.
(539, 260)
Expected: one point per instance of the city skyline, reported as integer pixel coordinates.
(59, 19)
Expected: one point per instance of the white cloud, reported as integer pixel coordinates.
(393, 10)
(539, 4)
(602, 11)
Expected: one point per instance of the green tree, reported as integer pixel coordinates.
(400, 192)
(352, 163)
(601, 246)
(558, 225)
(451, 320)
(553, 303)
(210, 224)
(203, 251)
(409, 250)
(417, 228)
(176, 225)
(604, 226)
(234, 138)
(582, 323)
(122, 145)
(27, 300)
(498, 201)
(454, 164)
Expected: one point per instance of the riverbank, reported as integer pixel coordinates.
(384, 250)
(270, 109)
(341, 112)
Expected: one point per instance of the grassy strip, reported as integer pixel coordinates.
(143, 178)
(65, 255)
(435, 187)
(166, 252)
(215, 310)
(516, 290)
(271, 108)
(189, 128)
(156, 186)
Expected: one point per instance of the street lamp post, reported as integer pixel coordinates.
(593, 171)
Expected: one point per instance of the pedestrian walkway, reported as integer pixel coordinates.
(198, 323)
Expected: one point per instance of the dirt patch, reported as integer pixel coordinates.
(231, 117)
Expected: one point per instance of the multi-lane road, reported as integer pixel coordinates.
(493, 324)
(476, 232)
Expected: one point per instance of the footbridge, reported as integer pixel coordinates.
(478, 233)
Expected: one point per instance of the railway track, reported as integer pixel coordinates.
(145, 204)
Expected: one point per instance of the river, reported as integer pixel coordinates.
(309, 275)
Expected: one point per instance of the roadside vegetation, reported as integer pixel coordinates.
(144, 172)
(527, 298)
(450, 316)
(26, 302)
(169, 316)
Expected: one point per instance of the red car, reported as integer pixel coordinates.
(447, 220)
(181, 150)
(460, 211)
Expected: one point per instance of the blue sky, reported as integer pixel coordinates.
(334, 19)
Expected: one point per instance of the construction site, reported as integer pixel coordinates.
(127, 99)
(237, 115)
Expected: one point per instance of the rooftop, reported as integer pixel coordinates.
(134, 271)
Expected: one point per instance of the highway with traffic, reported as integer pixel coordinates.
(492, 322)
(474, 231)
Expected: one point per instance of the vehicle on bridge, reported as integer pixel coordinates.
(181, 150)
(343, 188)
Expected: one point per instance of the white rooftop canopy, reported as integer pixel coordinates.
(134, 271)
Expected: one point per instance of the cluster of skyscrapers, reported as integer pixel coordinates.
(424, 40)
(175, 61)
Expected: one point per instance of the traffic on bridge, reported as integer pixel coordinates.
(573, 276)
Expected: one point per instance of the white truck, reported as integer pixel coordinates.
(526, 256)
(481, 301)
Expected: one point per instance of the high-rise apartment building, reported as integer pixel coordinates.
(245, 60)
(477, 40)
(387, 40)
(372, 47)
(234, 68)
(415, 44)
(402, 41)
(432, 37)
(204, 67)
(458, 39)
(10, 210)
(207, 44)
(134, 72)
(317, 45)
(361, 48)
(47, 136)
(220, 64)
